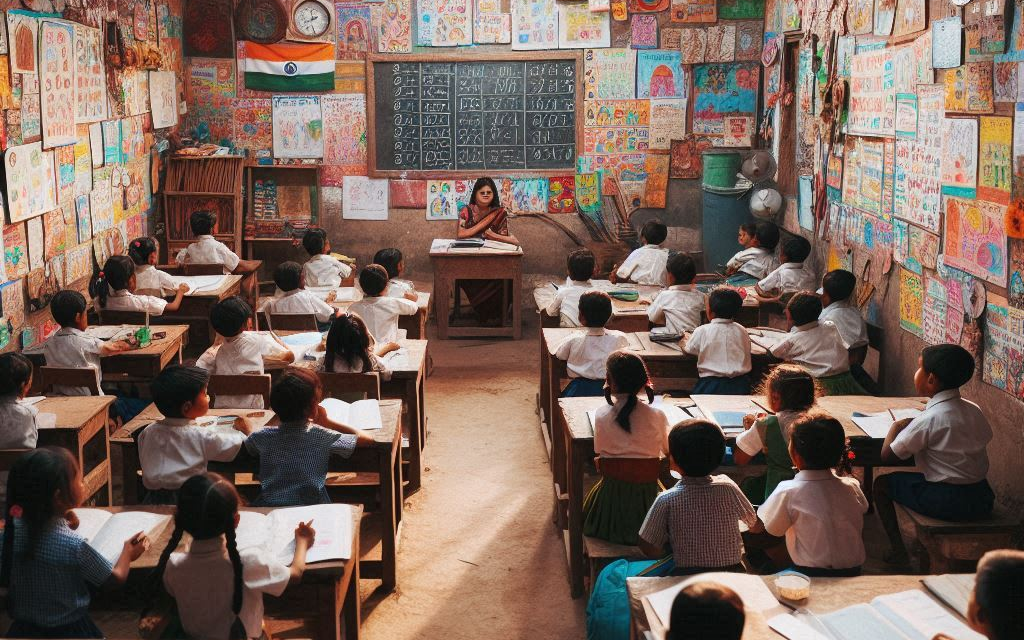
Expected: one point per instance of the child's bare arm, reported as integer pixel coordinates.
(888, 455)
(175, 304)
(304, 537)
(133, 548)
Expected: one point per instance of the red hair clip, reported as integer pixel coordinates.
(137, 243)
(15, 511)
(101, 274)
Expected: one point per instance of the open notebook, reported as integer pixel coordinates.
(275, 531)
(107, 532)
(766, 338)
(952, 589)
(361, 414)
(302, 344)
(752, 590)
(877, 425)
(201, 284)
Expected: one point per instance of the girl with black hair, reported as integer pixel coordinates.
(351, 348)
(19, 429)
(484, 217)
(625, 428)
(145, 253)
(114, 289)
(219, 588)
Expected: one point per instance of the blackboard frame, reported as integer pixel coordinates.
(465, 55)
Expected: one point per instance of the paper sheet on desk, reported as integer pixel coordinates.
(765, 338)
(751, 589)
(877, 425)
(109, 332)
(199, 284)
(341, 294)
(275, 531)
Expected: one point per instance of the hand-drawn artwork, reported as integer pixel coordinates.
(701, 11)
(933, 320)
(101, 205)
(207, 28)
(31, 117)
(637, 7)
(885, 15)
(947, 43)
(906, 115)
(686, 156)
(16, 257)
(737, 131)
(561, 194)
(694, 45)
(529, 195)
(912, 64)
(609, 74)
(36, 239)
(659, 74)
(860, 17)
(298, 127)
(12, 297)
(721, 45)
(749, 38)
(580, 28)
(31, 184)
(984, 30)
(969, 88)
(84, 219)
(534, 24)
(22, 31)
(211, 89)
(918, 171)
(599, 5)
(364, 198)
(90, 76)
(656, 185)
(588, 193)
(56, 233)
(668, 122)
(492, 28)
(394, 31)
(617, 113)
(975, 240)
(353, 23)
(872, 94)
(911, 302)
(1015, 283)
(441, 203)
(910, 17)
(995, 170)
(671, 38)
(57, 88)
(721, 90)
(454, 24)
(615, 140)
(1005, 81)
(163, 99)
(344, 122)
(79, 263)
(254, 126)
(644, 34)
(618, 9)
(960, 157)
(1003, 346)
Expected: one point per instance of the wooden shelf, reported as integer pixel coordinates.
(200, 194)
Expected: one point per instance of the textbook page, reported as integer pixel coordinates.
(794, 628)
(199, 284)
(254, 530)
(361, 414)
(876, 425)
(114, 530)
(862, 622)
(302, 343)
(920, 617)
(952, 589)
(765, 338)
(333, 526)
(751, 589)
(341, 294)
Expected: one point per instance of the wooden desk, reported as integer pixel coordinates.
(481, 264)
(415, 326)
(195, 308)
(82, 429)
(626, 316)
(138, 364)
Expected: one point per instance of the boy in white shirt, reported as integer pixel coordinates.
(241, 351)
(645, 265)
(174, 449)
(566, 303)
(948, 442)
(296, 300)
(322, 269)
(757, 259)
(820, 513)
(586, 354)
(393, 262)
(678, 307)
(836, 291)
(817, 347)
(115, 290)
(149, 280)
(790, 276)
(207, 249)
(722, 347)
(71, 346)
(379, 312)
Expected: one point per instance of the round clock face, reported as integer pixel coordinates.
(311, 18)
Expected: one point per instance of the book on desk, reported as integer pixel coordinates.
(107, 532)
(361, 414)
(275, 531)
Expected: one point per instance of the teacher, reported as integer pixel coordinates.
(484, 217)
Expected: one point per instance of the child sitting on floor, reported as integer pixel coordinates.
(722, 347)
(586, 353)
(625, 429)
(380, 312)
(580, 265)
(817, 347)
(322, 269)
(114, 290)
(645, 265)
(757, 259)
(149, 280)
(820, 513)
(706, 611)
(678, 307)
(948, 443)
(351, 349)
(207, 249)
(696, 520)
(288, 277)
(393, 262)
(790, 276)
(836, 290)
(996, 607)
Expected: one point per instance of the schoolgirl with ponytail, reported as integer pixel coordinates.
(145, 253)
(217, 586)
(114, 289)
(625, 428)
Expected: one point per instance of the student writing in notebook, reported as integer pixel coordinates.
(378, 311)
(580, 265)
(394, 263)
(46, 568)
(678, 307)
(706, 611)
(145, 252)
(114, 289)
(645, 265)
(722, 347)
(322, 269)
(295, 299)
(586, 353)
(351, 349)
(218, 588)
(757, 259)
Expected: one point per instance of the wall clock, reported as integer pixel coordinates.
(262, 21)
(311, 21)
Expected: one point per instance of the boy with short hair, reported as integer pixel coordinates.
(322, 269)
(580, 265)
(757, 259)
(678, 307)
(394, 263)
(722, 347)
(706, 611)
(288, 276)
(996, 607)
(836, 292)
(380, 312)
(790, 276)
(948, 443)
(586, 354)
(697, 518)
(207, 249)
(645, 265)
(71, 346)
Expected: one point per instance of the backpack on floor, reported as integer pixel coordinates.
(608, 609)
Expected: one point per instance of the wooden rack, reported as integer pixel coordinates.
(195, 184)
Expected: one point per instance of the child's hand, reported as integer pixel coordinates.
(750, 419)
(643, 302)
(902, 423)
(411, 295)
(306, 532)
(72, 519)
(183, 288)
(331, 297)
(389, 347)
(243, 425)
(135, 546)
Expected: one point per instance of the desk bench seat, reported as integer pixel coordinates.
(601, 553)
(948, 547)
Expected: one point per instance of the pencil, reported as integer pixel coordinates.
(891, 415)
(763, 408)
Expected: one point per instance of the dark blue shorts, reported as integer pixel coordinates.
(953, 502)
(738, 386)
(584, 388)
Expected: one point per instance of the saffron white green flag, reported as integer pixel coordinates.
(289, 67)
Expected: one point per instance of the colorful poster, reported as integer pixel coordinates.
(56, 233)
(1003, 360)
(969, 88)
(22, 32)
(656, 185)
(615, 140)
(394, 31)
(344, 122)
(1015, 284)
(529, 195)
(534, 24)
(364, 198)
(860, 17)
(90, 76)
(588, 193)
(910, 18)
(933, 312)
(12, 296)
(872, 94)
(918, 170)
(561, 198)
(694, 11)
(36, 243)
(1005, 81)
(163, 99)
(723, 90)
(911, 302)
(15, 251)
(975, 239)
(995, 171)
(31, 184)
(79, 262)
(211, 89)
(580, 28)
(441, 204)
(57, 87)
(492, 28)
(984, 30)
(659, 74)
(253, 126)
(721, 45)
(885, 15)
(644, 31)
(685, 156)
(960, 157)
(617, 113)
(83, 219)
(694, 45)
(668, 122)
(298, 127)
(906, 115)
(749, 40)
(609, 74)
(947, 42)
(737, 131)
(353, 22)
(912, 64)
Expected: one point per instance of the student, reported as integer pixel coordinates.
(288, 276)
(207, 249)
(114, 290)
(393, 262)
(722, 347)
(47, 568)
(821, 514)
(757, 259)
(217, 587)
(996, 606)
(696, 520)
(948, 442)
(679, 306)
(645, 265)
(790, 392)
(586, 353)
(706, 611)
(836, 289)
(380, 312)
(790, 276)
(241, 350)
(149, 280)
(294, 455)
(351, 349)
(322, 269)
(19, 429)
(817, 347)
(615, 508)
(580, 265)
(176, 448)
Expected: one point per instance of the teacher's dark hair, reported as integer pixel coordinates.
(485, 182)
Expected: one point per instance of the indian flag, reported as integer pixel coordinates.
(289, 67)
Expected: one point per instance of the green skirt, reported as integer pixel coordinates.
(841, 384)
(615, 509)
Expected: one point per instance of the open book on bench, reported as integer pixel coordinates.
(107, 532)
(275, 531)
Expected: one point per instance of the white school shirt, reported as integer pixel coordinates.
(566, 303)
(152, 280)
(645, 265)
(301, 301)
(208, 250)
(18, 428)
(173, 450)
(679, 307)
(243, 353)
(125, 300)
(647, 436)
(848, 320)
(947, 440)
(790, 277)
(398, 288)
(752, 440)
(822, 517)
(815, 346)
(325, 271)
(71, 347)
(380, 313)
(722, 348)
(340, 365)
(753, 261)
(586, 354)
(202, 583)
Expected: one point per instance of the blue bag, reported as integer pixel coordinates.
(608, 608)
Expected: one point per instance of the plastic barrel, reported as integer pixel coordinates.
(720, 168)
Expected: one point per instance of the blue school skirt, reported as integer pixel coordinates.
(711, 385)
(84, 628)
(942, 500)
(584, 388)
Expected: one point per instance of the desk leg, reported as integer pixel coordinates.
(351, 611)
(517, 301)
(410, 397)
(442, 293)
(543, 397)
(391, 511)
(575, 507)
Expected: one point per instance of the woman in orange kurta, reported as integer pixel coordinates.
(484, 217)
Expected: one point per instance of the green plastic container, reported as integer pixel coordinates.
(721, 167)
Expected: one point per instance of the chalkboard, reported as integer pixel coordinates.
(435, 117)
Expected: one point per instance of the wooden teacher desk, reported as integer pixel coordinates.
(81, 428)
(451, 265)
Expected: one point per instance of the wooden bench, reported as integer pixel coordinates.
(601, 553)
(954, 547)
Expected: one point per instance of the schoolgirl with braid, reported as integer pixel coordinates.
(217, 587)
(625, 428)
